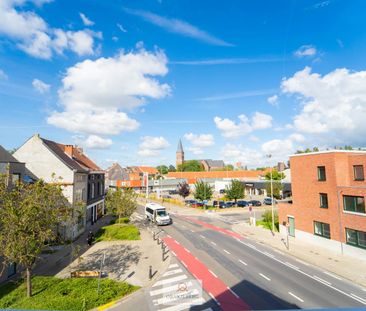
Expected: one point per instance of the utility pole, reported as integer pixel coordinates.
(269, 156)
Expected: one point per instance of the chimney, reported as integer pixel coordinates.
(68, 150)
(79, 149)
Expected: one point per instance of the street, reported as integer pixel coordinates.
(258, 277)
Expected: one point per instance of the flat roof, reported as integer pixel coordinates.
(329, 151)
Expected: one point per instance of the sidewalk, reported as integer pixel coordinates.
(123, 260)
(342, 265)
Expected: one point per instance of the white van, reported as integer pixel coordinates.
(157, 213)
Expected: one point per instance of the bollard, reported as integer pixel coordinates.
(162, 245)
(150, 272)
(154, 237)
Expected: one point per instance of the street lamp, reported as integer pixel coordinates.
(269, 157)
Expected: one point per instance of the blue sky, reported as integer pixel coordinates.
(235, 80)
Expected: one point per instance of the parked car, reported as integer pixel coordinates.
(268, 201)
(230, 204)
(172, 192)
(189, 202)
(197, 204)
(222, 204)
(255, 203)
(242, 203)
(222, 191)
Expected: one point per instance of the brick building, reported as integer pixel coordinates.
(328, 191)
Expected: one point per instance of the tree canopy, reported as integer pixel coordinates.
(162, 169)
(29, 216)
(276, 175)
(190, 166)
(183, 190)
(235, 190)
(121, 202)
(203, 191)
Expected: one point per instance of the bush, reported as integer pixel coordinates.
(117, 232)
(267, 220)
(123, 220)
(52, 293)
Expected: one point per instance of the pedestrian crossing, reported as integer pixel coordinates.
(163, 292)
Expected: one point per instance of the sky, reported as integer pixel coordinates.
(236, 80)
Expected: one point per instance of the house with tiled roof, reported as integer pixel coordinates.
(81, 179)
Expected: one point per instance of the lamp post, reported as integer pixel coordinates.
(269, 156)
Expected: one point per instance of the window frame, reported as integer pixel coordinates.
(355, 205)
(357, 244)
(322, 224)
(320, 168)
(321, 195)
(354, 173)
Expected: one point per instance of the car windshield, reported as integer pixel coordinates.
(161, 212)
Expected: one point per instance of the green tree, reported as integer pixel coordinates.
(235, 190)
(203, 191)
(276, 183)
(183, 190)
(29, 215)
(171, 168)
(228, 167)
(190, 166)
(276, 175)
(162, 169)
(267, 219)
(121, 202)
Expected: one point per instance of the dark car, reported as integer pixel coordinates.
(222, 204)
(197, 204)
(255, 203)
(268, 201)
(242, 203)
(230, 204)
(222, 191)
(171, 192)
(190, 202)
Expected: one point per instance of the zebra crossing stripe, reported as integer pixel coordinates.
(170, 280)
(170, 300)
(174, 265)
(172, 272)
(184, 306)
(167, 289)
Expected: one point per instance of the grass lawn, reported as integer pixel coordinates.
(266, 225)
(117, 232)
(50, 293)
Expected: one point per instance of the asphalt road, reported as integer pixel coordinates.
(262, 277)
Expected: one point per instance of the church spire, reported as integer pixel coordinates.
(180, 146)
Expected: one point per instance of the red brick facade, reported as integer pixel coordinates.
(340, 181)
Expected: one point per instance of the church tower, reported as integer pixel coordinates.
(179, 154)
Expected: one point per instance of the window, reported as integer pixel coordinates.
(323, 200)
(354, 204)
(356, 238)
(15, 178)
(92, 191)
(358, 172)
(322, 229)
(321, 173)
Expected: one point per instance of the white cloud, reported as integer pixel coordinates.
(179, 27)
(120, 27)
(306, 50)
(233, 153)
(3, 75)
(278, 148)
(40, 86)
(115, 39)
(151, 146)
(333, 105)
(273, 100)
(199, 141)
(32, 34)
(96, 94)
(245, 126)
(86, 21)
(261, 121)
(39, 3)
(93, 142)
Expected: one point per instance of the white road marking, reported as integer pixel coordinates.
(174, 265)
(187, 250)
(276, 250)
(244, 263)
(308, 275)
(212, 296)
(168, 299)
(232, 292)
(203, 237)
(252, 246)
(321, 280)
(139, 217)
(213, 243)
(184, 264)
(332, 275)
(169, 236)
(265, 277)
(268, 254)
(298, 298)
(191, 230)
(172, 272)
(177, 242)
(213, 273)
(360, 299)
(226, 252)
(302, 262)
(170, 280)
(291, 266)
(174, 253)
(167, 289)
(184, 306)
